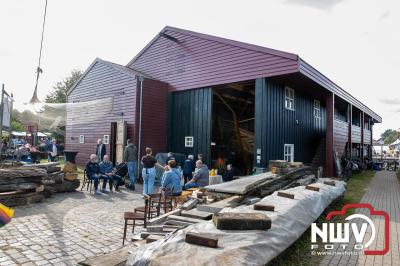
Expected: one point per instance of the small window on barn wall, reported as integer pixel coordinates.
(82, 139)
(317, 113)
(288, 152)
(289, 98)
(189, 141)
(106, 139)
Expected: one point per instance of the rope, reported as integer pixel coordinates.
(39, 70)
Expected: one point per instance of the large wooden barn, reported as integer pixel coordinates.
(224, 99)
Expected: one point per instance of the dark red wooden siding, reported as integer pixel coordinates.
(101, 81)
(196, 62)
(155, 116)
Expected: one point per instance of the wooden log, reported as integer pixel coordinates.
(263, 207)
(19, 180)
(241, 221)
(330, 183)
(285, 195)
(20, 186)
(18, 198)
(11, 173)
(201, 240)
(312, 188)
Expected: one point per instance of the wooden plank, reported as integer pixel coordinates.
(285, 195)
(202, 215)
(184, 219)
(153, 238)
(201, 239)
(160, 219)
(177, 223)
(114, 258)
(216, 207)
(330, 183)
(263, 207)
(241, 221)
(313, 188)
(190, 204)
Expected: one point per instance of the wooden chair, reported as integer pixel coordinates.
(87, 181)
(165, 202)
(151, 210)
(136, 216)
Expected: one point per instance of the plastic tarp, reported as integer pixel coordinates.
(290, 220)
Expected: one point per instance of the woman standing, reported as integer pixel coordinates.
(149, 171)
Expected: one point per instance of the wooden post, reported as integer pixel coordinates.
(11, 115)
(330, 107)
(350, 123)
(362, 136)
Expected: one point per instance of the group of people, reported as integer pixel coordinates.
(103, 170)
(193, 174)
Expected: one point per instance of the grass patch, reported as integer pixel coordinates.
(299, 253)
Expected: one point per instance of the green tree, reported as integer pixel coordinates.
(16, 125)
(389, 136)
(59, 92)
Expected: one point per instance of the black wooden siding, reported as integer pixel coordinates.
(276, 126)
(189, 114)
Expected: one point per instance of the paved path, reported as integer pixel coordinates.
(383, 194)
(66, 229)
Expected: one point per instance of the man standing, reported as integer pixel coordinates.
(100, 150)
(52, 150)
(130, 157)
(188, 168)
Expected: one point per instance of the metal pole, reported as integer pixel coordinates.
(141, 79)
(1, 113)
(11, 115)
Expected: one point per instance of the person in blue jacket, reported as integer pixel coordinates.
(171, 179)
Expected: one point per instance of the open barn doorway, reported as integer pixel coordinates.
(232, 134)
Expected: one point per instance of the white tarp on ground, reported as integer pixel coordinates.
(253, 247)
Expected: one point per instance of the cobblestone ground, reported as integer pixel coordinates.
(383, 194)
(66, 228)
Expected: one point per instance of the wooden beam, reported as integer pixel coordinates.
(330, 107)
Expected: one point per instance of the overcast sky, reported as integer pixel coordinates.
(354, 42)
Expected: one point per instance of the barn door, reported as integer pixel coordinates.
(120, 140)
(189, 122)
(113, 139)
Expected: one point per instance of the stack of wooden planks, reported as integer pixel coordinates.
(21, 186)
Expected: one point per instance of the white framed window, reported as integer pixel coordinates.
(106, 139)
(289, 98)
(288, 152)
(189, 141)
(81, 138)
(317, 113)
